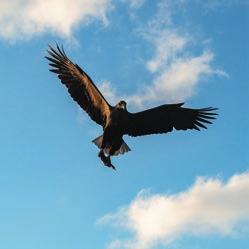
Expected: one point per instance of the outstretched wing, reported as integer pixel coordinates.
(164, 118)
(79, 85)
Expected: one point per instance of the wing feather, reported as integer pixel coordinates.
(79, 85)
(165, 118)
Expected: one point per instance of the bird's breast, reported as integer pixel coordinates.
(116, 120)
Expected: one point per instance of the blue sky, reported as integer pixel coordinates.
(179, 190)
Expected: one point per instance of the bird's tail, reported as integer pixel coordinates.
(123, 148)
(98, 141)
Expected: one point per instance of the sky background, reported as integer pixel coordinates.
(179, 190)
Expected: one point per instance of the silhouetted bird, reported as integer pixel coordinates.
(116, 120)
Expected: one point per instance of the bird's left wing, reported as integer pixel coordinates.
(79, 85)
(164, 118)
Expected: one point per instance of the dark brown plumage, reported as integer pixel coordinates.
(116, 120)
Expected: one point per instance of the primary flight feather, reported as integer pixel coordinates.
(116, 120)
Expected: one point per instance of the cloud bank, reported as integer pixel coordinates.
(210, 206)
(22, 19)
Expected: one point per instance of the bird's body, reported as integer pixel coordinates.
(111, 142)
(117, 121)
(114, 129)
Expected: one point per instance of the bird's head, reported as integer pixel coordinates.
(121, 105)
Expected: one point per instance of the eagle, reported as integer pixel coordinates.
(117, 121)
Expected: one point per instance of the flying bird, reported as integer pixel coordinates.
(117, 121)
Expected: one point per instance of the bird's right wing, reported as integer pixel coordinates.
(79, 85)
(164, 118)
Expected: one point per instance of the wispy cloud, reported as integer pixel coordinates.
(168, 44)
(177, 71)
(109, 92)
(22, 19)
(210, 206)
(175, 83)
(178, 82)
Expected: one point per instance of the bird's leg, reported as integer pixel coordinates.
(106, 159)
(109, 162)
(101, 153)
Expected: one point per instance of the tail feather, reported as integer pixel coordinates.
(98, 141)
(123, 148)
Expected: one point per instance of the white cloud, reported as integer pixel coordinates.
(210, 206)
(167, 46)
(177, 71)
(22, 19)
(175, 83)
(177, 78)
(178, 82)
(109, 92)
